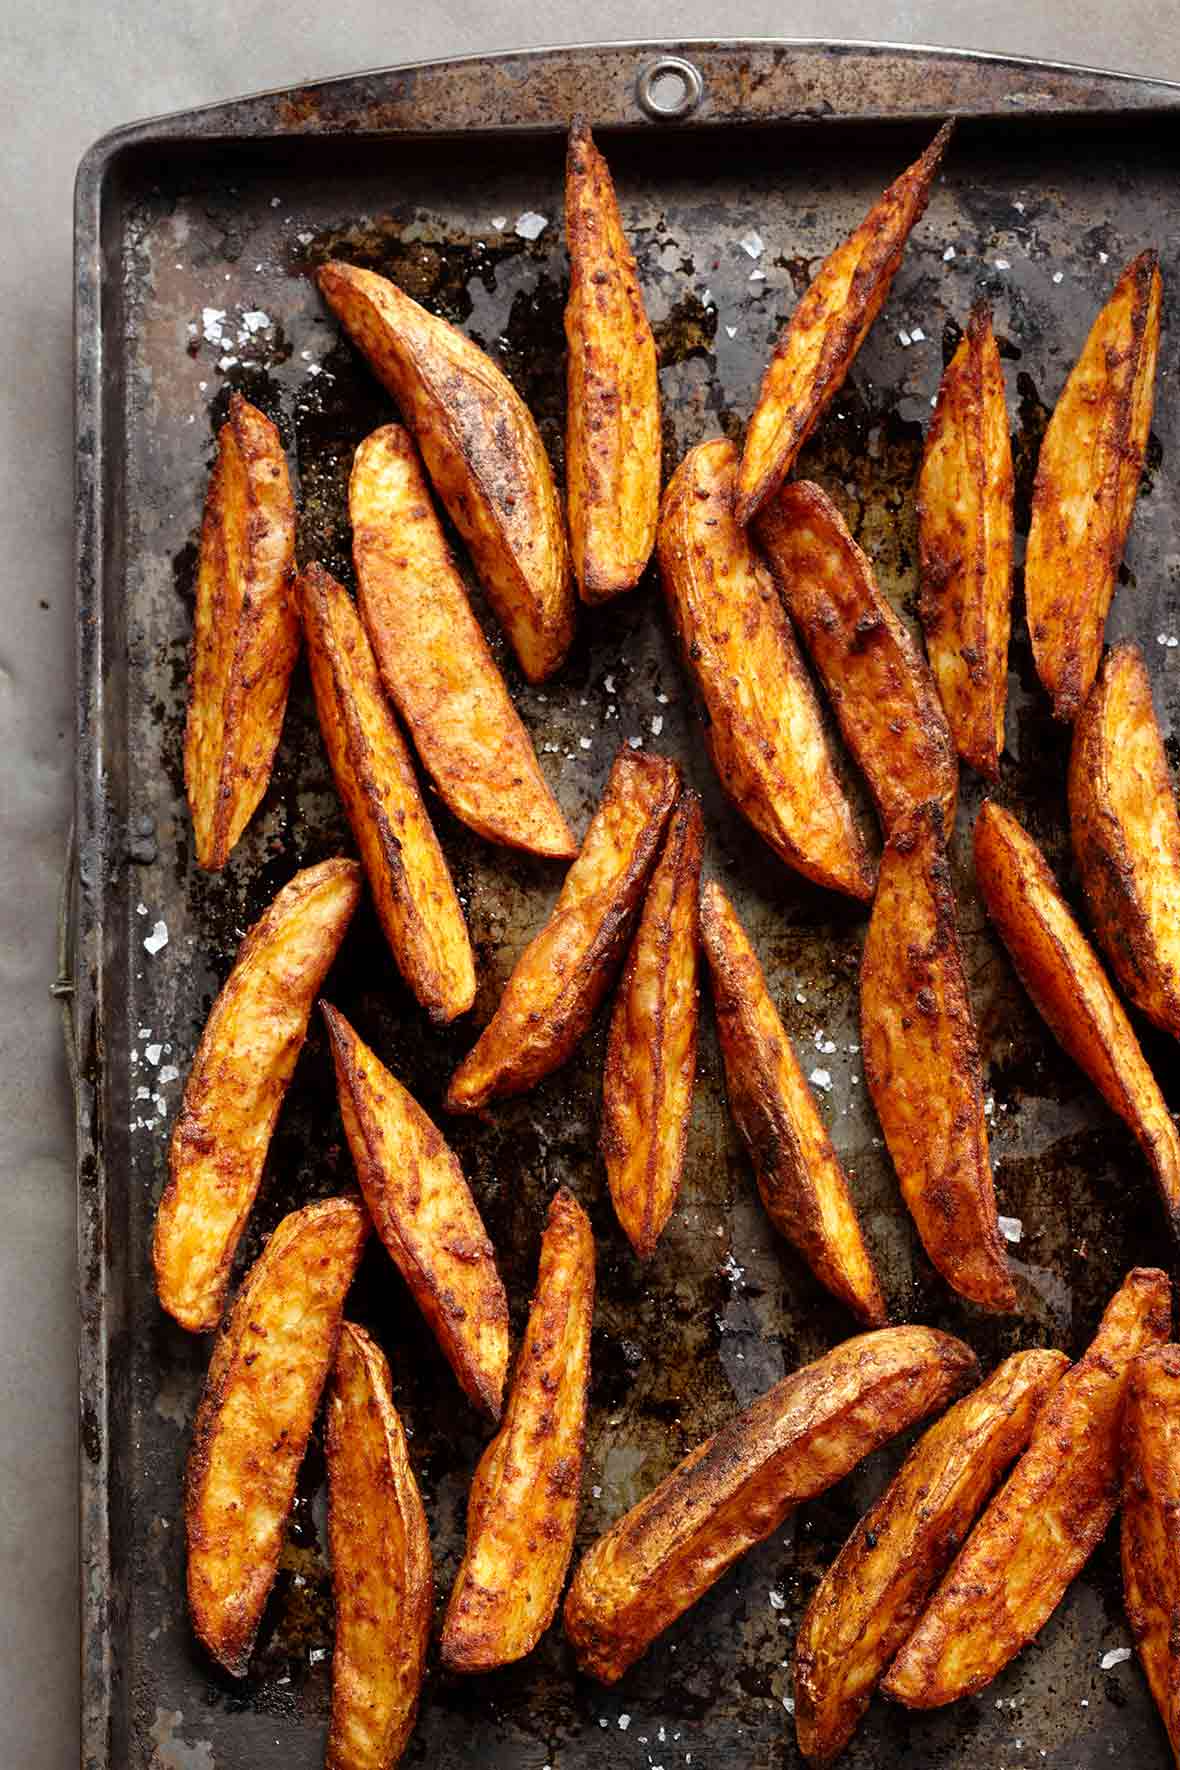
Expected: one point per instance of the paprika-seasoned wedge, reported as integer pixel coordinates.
(1150, 1537)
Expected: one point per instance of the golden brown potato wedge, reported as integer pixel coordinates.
(965, 545)
(564, 973)
(1045, 1522)
(1060, 970)
(1087, 482)
(245, 631)
(795, 1442)
(382, 1576)
(483, 453)
(269, 1365)
(651, 1056)
(1151, 1525)
(433, 657)
(408, 876)
(877, 680)
(922, 1064)
(1126, 835)
(763, 728)
(246, 1057)
(423, 1211)
(523, 1508)
(802, 1183)
(612, 437)
(870, 1598)
(826, 330)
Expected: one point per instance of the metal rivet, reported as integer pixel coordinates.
(669, 89)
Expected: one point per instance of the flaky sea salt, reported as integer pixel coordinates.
(1011, 1228)
(157, 940)
(1115, 1657)
(752, 244)
(821, 1078)
(530, 225)
(948, 254)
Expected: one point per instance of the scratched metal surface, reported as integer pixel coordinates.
(205, 286)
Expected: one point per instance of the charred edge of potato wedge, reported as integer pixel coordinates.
(1151, 1504)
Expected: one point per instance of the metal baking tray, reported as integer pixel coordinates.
(196, 237)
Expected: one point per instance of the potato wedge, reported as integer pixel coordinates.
(564, 973)
(269, 1365)
(802, 1183)
(245, 632)
(762, 723)
(1151, 1525)
(878, 682)
(826, 330)
(868, 1601)
(433, 657)
(239, 1076)
(1126, 835)
(1087, 481)
(382, 1574)
(483, 453)
(1060, 970)
(415, 899)
(651, 1057)
(523, 1508)
(423, 1211)
(612, 437)
(965, 496)
(922, 1064)
(795, 1442)
(1045, 1522)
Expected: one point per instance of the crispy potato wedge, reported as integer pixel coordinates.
(1087, 481)
(433, 657)
(763, 728)
(1126, 835)
(878, 682)
(795, 1442)
(612, 436)
(1151, 1525)
(1045, 1522)
(269, 1365)
(412, 889)
(523, 1508)
(651, 1056)
(245, 632)
(922, 1064)
(564, 973)
(483, 453)
(826, 330)
(1060, 970)
(965, 496)
(239, 1076)
(870, 1598)
(382, 1574)
(423, 1211)
(802, 1183)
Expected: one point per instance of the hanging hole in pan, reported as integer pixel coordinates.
(669, 89)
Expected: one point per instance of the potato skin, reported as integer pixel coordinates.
(564, 973)
(729, 1493)
(235, 1087)
(269, 1365)
(826, 330)
(870, 1598)
(1087, 482)
(483, 453)
(423, 1211)
(612, 438)
(800, 1179)
(878, 682)
(647, 1085)
(1045, 1522)
(965, 545)
(922, 1064)
(412, 890)
(434, 660)
(245, 632)
(1151, 1525)
(1126, 835)
(763, 727)
(382, 1575)
(523, 1508)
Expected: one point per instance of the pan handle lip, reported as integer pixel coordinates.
(64, 985)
